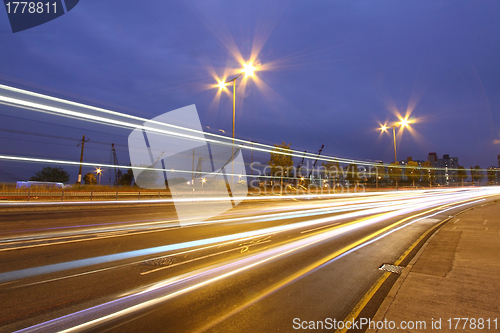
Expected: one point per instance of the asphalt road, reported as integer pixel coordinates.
(254, 268)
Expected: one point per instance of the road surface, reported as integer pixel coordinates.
(255, 268)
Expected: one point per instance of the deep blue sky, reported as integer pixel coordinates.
(336, 70)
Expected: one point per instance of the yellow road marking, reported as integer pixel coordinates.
(367, 297)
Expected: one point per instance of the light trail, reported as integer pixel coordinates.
(133, 122)
(120, 123)
(282, 212)
(390, 211)
(168, 289)
(122, 229)
(222, 198)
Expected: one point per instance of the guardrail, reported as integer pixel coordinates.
(64, 195)
(106, 195)
(81, 195)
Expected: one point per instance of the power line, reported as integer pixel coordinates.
(54, 137)
(38, 134)
(51, 143)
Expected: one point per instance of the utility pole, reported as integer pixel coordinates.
(118, 172)
(299, 169)
(192, 174)
(81, 160)
(251, 164)
(302, 163)
(316, 161)
(251, 161)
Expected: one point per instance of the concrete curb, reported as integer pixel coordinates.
(386, 304)
(389, 299)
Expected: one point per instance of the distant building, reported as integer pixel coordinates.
(405, 162)
(447, 170)
(410, 159)
(493, 175)
(403, 176)
(433, 159)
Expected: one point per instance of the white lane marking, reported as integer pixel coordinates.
(325, 226)
(203, 257)
(128, 264)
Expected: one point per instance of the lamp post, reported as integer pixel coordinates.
(98, 171)
(384, 129)
(248, 70)
(403, 123)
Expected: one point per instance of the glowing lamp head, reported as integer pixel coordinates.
(222, 85)
(98, 170)
(404, 122)
(383, 128)
(248, 69)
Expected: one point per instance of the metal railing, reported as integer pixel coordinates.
(65, 195)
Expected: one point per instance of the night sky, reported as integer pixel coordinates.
(332, 72)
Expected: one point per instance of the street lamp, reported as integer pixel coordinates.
(98, 171)
(248, 70)
(403, 123)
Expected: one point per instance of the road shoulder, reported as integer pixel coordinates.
(454, 275)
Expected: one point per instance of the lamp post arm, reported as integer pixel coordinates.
(234, 79)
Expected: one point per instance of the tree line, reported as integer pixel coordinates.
(281, 165)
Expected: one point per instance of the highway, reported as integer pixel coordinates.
(254, 268)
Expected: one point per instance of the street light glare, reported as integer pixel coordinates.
(248, 69)
(404, 122)
(222, 85)
(383, 128)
